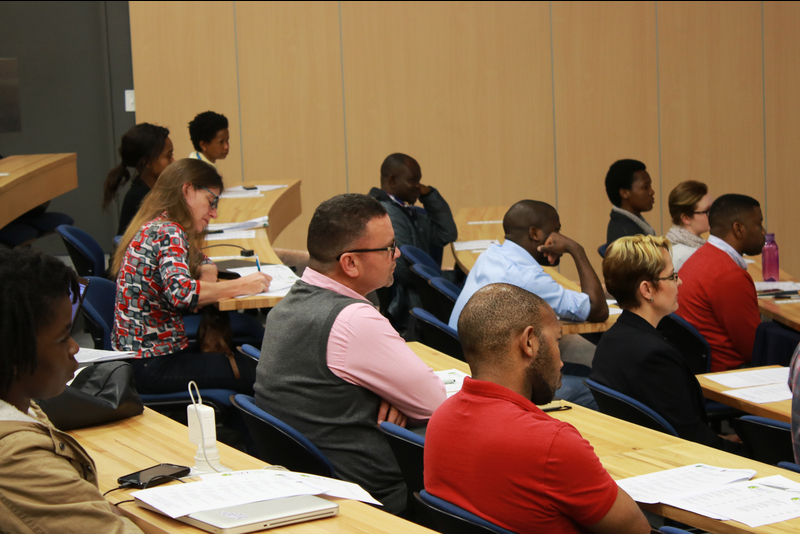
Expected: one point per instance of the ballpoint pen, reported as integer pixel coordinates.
(258, 265)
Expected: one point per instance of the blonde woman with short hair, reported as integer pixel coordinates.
(633, 358)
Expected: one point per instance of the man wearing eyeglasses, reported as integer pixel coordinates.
(331, 366)
(428, 229)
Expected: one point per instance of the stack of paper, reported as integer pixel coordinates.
(283, 278)
(85, 355)
(258, 222)
(221, 490)
(233, 234)
(724, 494)
(479, 245)
(453, 380)
(759, 386)
(258, 188)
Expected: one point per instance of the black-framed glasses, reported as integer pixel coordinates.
(673, 277)
(391, 248)
(215, 202)
(702, 212)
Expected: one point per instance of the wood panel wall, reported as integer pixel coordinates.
(499, 101)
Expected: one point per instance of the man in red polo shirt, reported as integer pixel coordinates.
(490, 450)
(718, 296)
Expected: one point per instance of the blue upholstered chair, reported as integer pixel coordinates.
(437, 334)
(280, 444)
(417, 255)
(86, 254)
(770, 440)
(16, 234)
(250, 351)
(791, 466)
(673, 530)
(602, 250)
(616, 404)
(408, 449)
(451, 519)
(697, 352)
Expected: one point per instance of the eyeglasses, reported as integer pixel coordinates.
(391, 248)
(702, 212)
(215, 202)
(673, 277)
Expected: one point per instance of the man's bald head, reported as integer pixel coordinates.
(493, 317)
(526, 213)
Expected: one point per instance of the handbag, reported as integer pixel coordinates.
(100, 394)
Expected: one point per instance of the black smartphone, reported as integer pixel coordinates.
(153, 476)
(250, 187)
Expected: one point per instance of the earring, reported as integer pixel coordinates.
(650, 299)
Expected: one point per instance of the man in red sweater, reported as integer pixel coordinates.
(718, 296)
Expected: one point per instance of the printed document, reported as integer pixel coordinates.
(481, 244)
(746, 379)
(655, 487)
(85, 355)
(283, 278)
(762, 394)
(258, 222)
(227, 236)
(453, 380)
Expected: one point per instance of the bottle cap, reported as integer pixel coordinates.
(770, 238)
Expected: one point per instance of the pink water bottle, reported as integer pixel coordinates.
(770, 268)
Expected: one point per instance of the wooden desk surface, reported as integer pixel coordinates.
(627, 450)
(491, 227)
(782, 411)
(33, 180)
(151, 438)
(282, 206)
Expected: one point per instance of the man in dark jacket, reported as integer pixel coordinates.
(429, 229)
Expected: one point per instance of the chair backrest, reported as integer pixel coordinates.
(691, 343)
(408, 450)
(602, 250)
(672, 530)
(446, 287)
(280, 444)
(432, 299)
(250, 351)
(417, 255)
(98, 309)
(86, 254)
(438, 335)
(452, 519)
(791, 466)
(616, 404)
(774, 344)
(770, 440)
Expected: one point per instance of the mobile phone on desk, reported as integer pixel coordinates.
(153, 476)
(250, 187)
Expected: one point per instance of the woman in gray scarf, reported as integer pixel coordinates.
(689, 203)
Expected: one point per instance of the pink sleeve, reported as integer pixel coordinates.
(365, 350)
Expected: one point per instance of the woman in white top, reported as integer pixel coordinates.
(689, 203)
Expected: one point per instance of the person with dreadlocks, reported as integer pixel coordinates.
(48, 483)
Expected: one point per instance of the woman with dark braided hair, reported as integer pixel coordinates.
(148, 149)
(48, 482)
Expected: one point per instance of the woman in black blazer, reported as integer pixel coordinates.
(633, 357)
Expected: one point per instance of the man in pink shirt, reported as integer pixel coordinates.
(331, 366)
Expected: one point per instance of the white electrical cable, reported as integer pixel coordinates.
(202, 433)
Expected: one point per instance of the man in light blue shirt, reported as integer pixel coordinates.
(532, 238)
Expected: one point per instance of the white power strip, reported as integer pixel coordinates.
(203, 433)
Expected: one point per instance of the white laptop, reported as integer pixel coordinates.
(262, 515)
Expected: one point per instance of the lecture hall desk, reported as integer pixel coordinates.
(33, 180)
(282, 206)
(627, 450)
(491, 227)
(151, 438)
(781, 411)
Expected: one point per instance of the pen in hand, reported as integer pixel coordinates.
(258, 264)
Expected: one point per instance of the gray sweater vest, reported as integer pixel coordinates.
(294, 383)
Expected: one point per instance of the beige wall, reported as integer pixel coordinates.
(498, 101)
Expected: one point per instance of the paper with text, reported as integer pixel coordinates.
(453, 380)
(762, 394)
(481, 244)
(258, 222)
(227, 236)
(746, 379)
(283, 278)
(655, 487)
